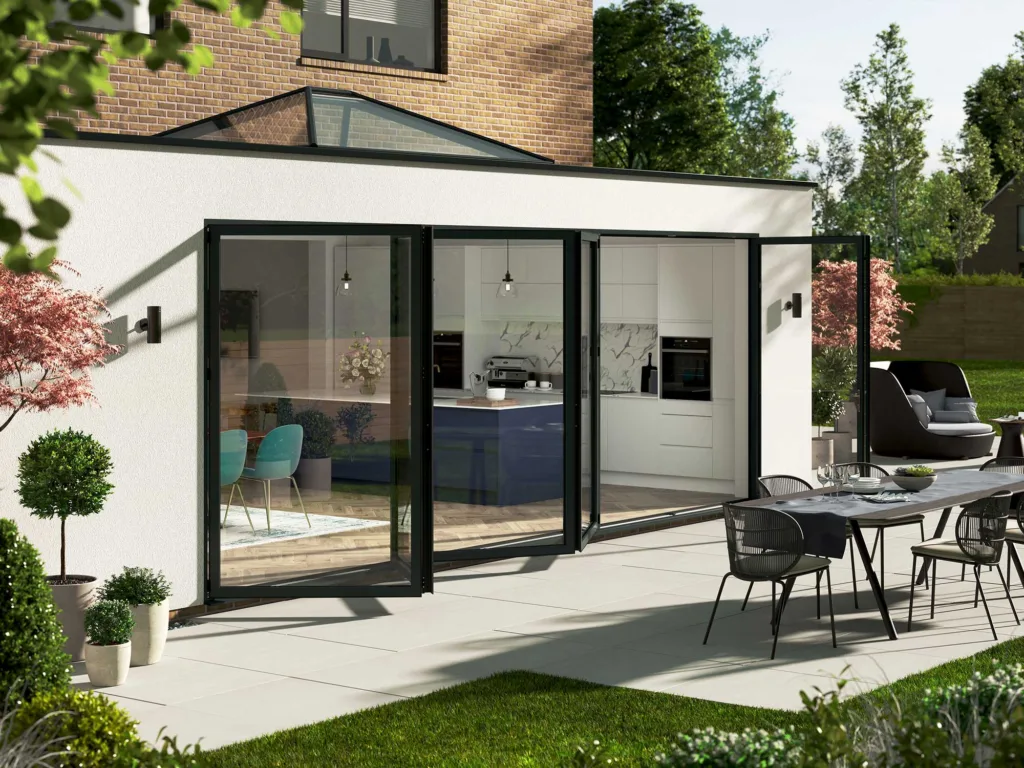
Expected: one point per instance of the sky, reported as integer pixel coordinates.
(816, 43)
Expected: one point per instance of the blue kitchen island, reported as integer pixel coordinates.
(499, 456)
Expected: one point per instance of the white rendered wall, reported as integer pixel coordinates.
(137, 233)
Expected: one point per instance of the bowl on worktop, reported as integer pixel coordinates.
(495, 393)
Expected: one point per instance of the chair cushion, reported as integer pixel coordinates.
(954, 417)
(1014, 533)
(959, 430)
(921, 409)
(941, 549)
(936, 399)
(808, 564)
(966, 404)
(911, 520)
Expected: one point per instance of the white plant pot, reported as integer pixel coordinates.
(71, 601)
(150, 634)
(847, 422)
(842, 446)
(821, 452)
(107, 665)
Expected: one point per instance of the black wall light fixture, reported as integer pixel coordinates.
(796, 305)
(150, 325)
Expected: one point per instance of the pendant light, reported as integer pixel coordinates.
(344, 288)
(507, 289)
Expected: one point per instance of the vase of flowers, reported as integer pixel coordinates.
(364, 364)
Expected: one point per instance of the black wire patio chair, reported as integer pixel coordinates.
(1011, 465)
(768, 545)
(980, 533)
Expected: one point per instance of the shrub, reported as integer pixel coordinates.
(168, 755)
(718, 749)
(63, 474)
(354, 421)
(317, 433)
(109, 622)
(97, 732)
(30, 747)
(137, 586)
(32, 657)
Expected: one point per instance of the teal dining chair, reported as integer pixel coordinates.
(233, 445)
(277, 459)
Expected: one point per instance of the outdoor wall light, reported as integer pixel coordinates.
(796, 305)
(150, 325)
(507, 289)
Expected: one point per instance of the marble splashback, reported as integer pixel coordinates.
(624, 350)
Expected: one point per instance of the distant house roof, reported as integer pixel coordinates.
(1002, 189)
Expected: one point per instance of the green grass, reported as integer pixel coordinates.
(997, 386)
(524, 719)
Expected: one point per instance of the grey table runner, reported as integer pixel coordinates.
(824, 522)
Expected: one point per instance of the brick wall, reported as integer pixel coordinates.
(518, 71)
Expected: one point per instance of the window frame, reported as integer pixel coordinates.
(1020, 227)
(345, 55)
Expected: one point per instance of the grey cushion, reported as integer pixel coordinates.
(942, 549)
(959, 430)
(921, 410)
(954, 417)
(965, 404)
(936, 399)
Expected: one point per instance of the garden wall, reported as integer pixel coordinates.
(963, 322)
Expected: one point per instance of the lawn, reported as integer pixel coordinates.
(997, 385)
(525, 719)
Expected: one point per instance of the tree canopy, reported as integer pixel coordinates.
(995, 106)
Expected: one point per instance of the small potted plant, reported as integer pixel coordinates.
(146, 591)
(64, 474)
(108, 652)
(313, 474)
(914, 478)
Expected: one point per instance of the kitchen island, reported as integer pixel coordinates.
(499, 456)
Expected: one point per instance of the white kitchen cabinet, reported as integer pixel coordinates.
(723, 350)
(640, 440)
(685, 283)
(688, 431)
(639, 303)
(611, 265)
(640, 264)
(492, 264)
(535, 303)
(450, 289)
(544, 264)
(724, 439)
(611, 303)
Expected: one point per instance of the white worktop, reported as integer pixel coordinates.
(446, 398)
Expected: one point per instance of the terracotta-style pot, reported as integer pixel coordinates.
(842, 446)
(107, 665)
(72, 600)
(821, 452)
(313, 477)
(150, 634)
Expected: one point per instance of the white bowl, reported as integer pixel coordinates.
(545, 385)
(495, 393)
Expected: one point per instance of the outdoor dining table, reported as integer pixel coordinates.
(823, 519)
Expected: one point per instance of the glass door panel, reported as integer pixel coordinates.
(590, 387)
(314, 375)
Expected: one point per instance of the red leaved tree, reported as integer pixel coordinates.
(834, 305)
(50, 336)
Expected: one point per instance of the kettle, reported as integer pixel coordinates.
(478, 384)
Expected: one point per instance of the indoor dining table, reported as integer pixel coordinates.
(823, 519)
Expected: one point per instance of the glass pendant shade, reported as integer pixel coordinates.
(345, 286)
(507, 289)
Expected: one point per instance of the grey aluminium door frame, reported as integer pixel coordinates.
(862, 248)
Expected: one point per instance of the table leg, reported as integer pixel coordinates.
(1010, 443)
(927, 561)
(876, 589)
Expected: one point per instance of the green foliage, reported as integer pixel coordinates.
(98, 733)
(109, 622)
(834, 372)
(826, 407)
(354, 420)
(658, 101)
(317, 433)
(136, 586)
(833, 164)
(53, 74)
(892, 119)
(718, 749)
(916, 470)
(167, 755)
(32, 658)
(1002, 279)
(995, 105)
(64, 473)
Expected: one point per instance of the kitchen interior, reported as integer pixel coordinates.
(673, 397)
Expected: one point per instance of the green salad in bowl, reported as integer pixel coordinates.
(914, 478)
(917, 470)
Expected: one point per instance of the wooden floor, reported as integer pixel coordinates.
(361, 557)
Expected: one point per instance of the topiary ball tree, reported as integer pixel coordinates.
(317, 433)
(32, 657)
(64, 473)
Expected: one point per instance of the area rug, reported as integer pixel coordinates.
(283, 526)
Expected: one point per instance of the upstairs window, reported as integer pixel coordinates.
(387, 33)
(135, 18)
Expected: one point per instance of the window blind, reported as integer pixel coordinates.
(326, 7)
(407, 13)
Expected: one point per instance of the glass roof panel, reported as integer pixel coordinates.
(353, 122)
(276, 121)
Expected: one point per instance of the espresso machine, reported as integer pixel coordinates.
(508, 372)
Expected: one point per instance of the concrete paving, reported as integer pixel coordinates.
(628, 612)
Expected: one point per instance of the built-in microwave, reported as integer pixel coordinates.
(685, 368)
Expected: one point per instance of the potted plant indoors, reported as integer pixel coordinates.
(313, 474)
(64, 474)
(147, 592)
(108, 653)
(361, 460)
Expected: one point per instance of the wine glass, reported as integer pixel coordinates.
(825, 476)
(840, 475)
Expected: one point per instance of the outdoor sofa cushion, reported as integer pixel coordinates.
(936, 399)
(959, 430)
(954, 417)
(921, 409)
(963, 404)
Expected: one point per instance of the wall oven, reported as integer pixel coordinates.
(448, 361)
(685, 368)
